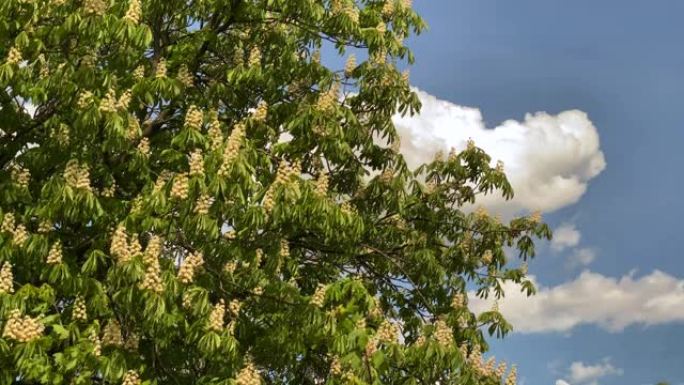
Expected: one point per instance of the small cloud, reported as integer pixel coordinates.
(581, 373)
(561, 382)
(592, 299)
(565, 236)
(581, 257)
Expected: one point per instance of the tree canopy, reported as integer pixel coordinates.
(190, 194)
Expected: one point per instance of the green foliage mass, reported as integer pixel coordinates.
(190, 196)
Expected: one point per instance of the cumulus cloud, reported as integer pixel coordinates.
(549, 159)
(581, 257)
(580, 373)
(610, 303)
(565, 236)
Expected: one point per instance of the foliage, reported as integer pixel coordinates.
(189, 195)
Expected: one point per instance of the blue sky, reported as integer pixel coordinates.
(622, 63)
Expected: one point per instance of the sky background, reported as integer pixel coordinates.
(611, 309)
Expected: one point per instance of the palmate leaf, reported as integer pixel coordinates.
(298, 248)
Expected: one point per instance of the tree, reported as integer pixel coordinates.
(189, 195)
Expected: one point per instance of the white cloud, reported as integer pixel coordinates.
(565, 236)
(592, 298)
(549, 159)
(561, 382)
(580, 373)
(581, 257)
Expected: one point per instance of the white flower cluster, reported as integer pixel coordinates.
(21, 176)
(475, 359)
(61, 134)
(131, 378)
(6, 278)
(112, 334)
(152, 278)
(45, 226)
(134, 12)
(318, 298)
(232, 148)
(22, 328)
(89, 60)
(139, 72)
(388, 8)
(161, 181)
(97, 344)
(132, 342)
(443, 333)
(194, 118)
(18, 232)
(96, 7)
(8, 223)
(214, 133)
(322, 184)
(186, 273)
(285, 176)
(108, 192)
(458, 301)
(54, 256)
(371, 347)
(230, 267)
(335, 366)
(258, 257)
(248, 375)
(376, 310)
(234, 308)
(13, 56)
(144, 147)
(348, 208)
(85, 99)
(181, 186)
(406, 77)
(216, 316)
(350, 66)
(500, 370)
(185, 77)
(108, 103)
(261, 112)
(328, 100)
(203, 204)
(487, 257)
(20, 235)
(536, 217)
(254, 57)
(346, 8)
(381, 28)
(196, 163)
(124, 100)
(388, 332)
(79, 311)
(77, 175)
(284, 248)
(160, 71)
(489, 366)
(379, 57)
(512, 377)
(119, 248)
